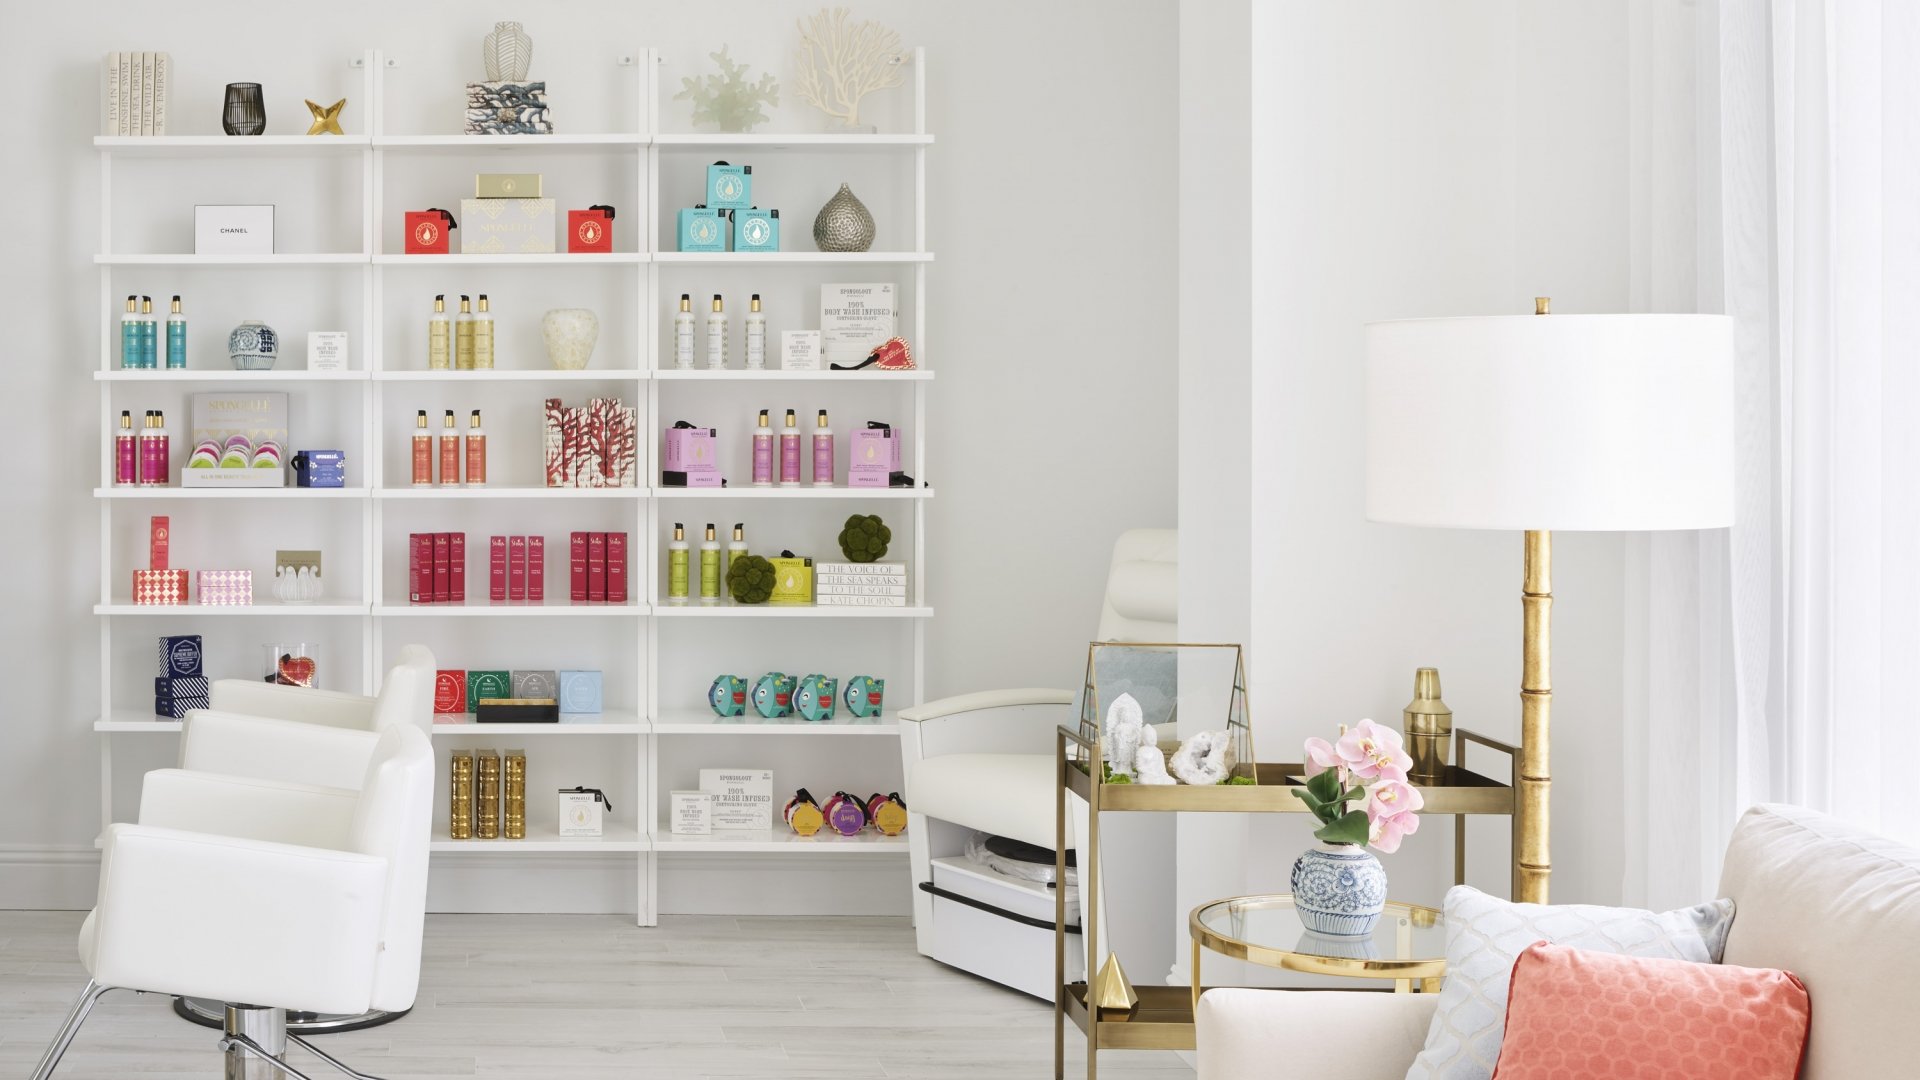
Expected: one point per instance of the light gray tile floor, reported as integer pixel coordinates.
(592, 997)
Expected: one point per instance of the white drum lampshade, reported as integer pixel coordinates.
(1551, 422)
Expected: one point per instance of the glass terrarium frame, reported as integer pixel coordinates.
(1238, 723)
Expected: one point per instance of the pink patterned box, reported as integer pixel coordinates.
(226, 588)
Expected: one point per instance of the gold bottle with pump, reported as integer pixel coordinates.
(476, 452)
(439, 336)
(449, 452)
(463, 336)
(1429, 728)
(422, 451)
(483, 337)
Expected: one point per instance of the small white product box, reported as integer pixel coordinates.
(800, 350)
(233, 229)
(326, 350)
(742, 799)
(580, 813)
(692, 813)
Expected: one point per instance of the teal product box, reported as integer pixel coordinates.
(729, 187)
(580, 692)
(702, 229)
(755, 229)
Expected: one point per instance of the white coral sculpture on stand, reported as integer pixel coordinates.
(840, 63)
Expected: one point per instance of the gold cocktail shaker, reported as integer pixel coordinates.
(1429, 727)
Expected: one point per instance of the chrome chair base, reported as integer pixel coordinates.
(210, 1013)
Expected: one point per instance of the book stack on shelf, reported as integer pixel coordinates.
(859, 584)
(133, 93)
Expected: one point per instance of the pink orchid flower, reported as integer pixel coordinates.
(1321, 757)
(1390, 798)
(1385, 833)
(1370, 748)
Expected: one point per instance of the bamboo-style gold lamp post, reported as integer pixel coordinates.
(1549, 422)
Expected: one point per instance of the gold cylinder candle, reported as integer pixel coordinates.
(513, 789)
(486, 795)
(1429, 726)
(460, 785)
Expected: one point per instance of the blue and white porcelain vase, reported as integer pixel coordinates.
(253, 346)
(1339, 889)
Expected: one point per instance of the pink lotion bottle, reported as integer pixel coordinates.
(790, 451)
(126, 460)
(763, 453)
(822, 453)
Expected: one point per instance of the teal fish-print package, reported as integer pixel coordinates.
(813, 698)
(703, 229)
(755, 230)
(729, 187)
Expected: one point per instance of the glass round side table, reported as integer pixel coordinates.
(1407, 946)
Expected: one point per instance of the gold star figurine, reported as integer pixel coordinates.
(326, 121)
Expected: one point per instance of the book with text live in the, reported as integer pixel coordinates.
(133, 93)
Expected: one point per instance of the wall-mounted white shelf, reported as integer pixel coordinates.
(137, 492)
(615, 836)
(698, 721)
(776, 258)
(635, 749)
(201, 145)
(324, 258)
(484, 609)
(774, 141)
(786, 611)
(514, 375)
(278, 375)
(824, 842)
(544, 493)
(838, 491)
(257, 609)
(544, 258)
(851, 378)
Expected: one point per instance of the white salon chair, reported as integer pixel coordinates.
(985, 762)
(304, 736)
(266, 895)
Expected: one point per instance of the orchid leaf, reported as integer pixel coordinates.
(1350, 829)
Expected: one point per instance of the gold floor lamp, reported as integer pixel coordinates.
(1544, 422)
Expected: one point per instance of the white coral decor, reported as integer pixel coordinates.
(841, 62)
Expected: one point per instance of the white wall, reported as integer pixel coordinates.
(1053, 319)
(1410, 160)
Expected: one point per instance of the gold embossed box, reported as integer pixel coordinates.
(507, 226)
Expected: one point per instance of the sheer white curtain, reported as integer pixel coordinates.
(1776, 177)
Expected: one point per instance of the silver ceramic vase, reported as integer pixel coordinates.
(507, 52)
(843, 224)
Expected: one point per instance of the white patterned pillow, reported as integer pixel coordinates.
(1484, 936)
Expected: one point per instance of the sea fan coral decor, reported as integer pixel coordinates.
(727, 100)
(841, 62)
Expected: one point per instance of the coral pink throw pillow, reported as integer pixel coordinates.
(1574, 1015)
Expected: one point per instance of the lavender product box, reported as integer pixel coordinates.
(691, 458)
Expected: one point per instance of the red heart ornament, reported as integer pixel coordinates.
(296, 671)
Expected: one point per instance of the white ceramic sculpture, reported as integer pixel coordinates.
(507, 53)
(1125, 725)
(570, 334)
(1206, 758)
(1150, 766)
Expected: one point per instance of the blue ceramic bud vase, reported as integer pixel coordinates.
(253, 346)
(1339, 889)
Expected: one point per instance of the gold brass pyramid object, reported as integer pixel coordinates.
(1111, 990)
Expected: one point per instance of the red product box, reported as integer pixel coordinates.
(429, 232)
(442, 567)
(497, 569)
(617, 568)
(159, 586)
(457, 569)
(157, 532)
(590, 230)
(596, 568)
(577, 560)
(516, 569)
(450, 691)
(420, 568)
(536, 569)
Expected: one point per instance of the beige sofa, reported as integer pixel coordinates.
(1836, 906)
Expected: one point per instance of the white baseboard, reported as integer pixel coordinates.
(47, 877)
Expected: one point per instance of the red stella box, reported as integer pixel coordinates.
(617, 568)
(497, 569)
(516, 569)
(450, 691)
(159, 586)
(590, 230)
(428, 232)
(536, 569)
(442, 567)
(420, 568)
(457, 569)
(596, 568)
(577, 564)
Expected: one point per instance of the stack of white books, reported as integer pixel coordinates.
(133, 93)
(859, 584)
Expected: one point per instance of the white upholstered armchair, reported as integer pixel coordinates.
(984, 762)
(266, 895)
